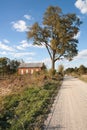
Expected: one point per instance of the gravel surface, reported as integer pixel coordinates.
(69, 111)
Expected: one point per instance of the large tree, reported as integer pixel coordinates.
(57, 34)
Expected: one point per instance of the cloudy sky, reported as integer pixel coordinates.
(16, 15)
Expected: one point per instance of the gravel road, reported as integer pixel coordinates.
(69, 111)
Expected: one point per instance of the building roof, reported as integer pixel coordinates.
(31, 65)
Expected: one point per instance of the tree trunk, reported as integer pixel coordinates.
(53, 65)
(53, 62)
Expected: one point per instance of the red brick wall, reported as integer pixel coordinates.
(28, 70)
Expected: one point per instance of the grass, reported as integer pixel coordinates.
(27, 109)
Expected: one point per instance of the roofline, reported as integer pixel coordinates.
(32, 65)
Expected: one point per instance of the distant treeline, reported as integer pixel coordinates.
(8, 66)
(77, 70)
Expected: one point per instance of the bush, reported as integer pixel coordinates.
(52, 72)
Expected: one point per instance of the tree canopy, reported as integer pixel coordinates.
(8, 66)
(57, 34)
(77, 70)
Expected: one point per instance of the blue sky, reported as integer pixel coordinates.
(16, 15)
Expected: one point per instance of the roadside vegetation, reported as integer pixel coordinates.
(29, 101)
(83, 77)
(80, 72)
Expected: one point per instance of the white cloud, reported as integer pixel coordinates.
(81, 55)
(18, 55)
(3, 52)
(6, 41)
(37, 46)
(24, 44)
(23, 54)
(28, 59)
(20, 47)
(27, 16)
(82, 6)
(5, 47)
(20, 26)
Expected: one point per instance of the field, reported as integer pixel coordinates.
(26, 100)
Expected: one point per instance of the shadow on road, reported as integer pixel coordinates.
(66, 87)
(58, 127)
(70, 78)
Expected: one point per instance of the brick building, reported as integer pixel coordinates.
(30, 68)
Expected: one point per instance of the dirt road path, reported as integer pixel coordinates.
(69, 110)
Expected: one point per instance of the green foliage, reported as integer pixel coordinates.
(8, 66)
(57, 34)
(77, 70)
(26, 110)
(14, 66)
(82, 69)
(69, 70)
(4, 64)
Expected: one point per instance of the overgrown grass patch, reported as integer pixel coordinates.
(27, 110)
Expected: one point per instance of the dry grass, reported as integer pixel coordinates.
(83, 77)
(16, 83)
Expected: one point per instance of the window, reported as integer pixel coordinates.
(22, 72)
(37, 70)
(26, 71)
(32, 71)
